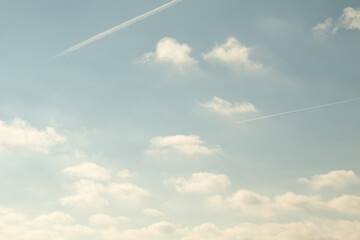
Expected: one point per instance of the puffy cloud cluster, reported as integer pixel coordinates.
(185, 144)
(91, 194)
(20, 134)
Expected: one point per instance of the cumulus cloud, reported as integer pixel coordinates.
(201, 182)
(64, 228)
(19, 134)
(52, 219)
(88, 195)
(169, 51)
(337, 179)
(88, 170)
(347, 204)
(152, 212)
(126, 191)
(350, 19)
(224, 107)
(185, 144)
(248, 203)
(322, 30)
(234, 54)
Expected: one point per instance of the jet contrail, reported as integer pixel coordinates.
(299, 110)
(116, 28)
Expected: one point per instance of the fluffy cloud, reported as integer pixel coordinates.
(152, 212)
(126, 191)
(52, 219)
(88, 195)
(20, 134)
(322, 30)
(350, 19)
(201, 182)
(248, 203)
(224, 107)
(347, 204)
(62, 227)
(337, 179)
(234, 54)
(169, 51)
(88, 170)
(185, 144)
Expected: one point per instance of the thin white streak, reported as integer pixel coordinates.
(117, 28)
(299, 110)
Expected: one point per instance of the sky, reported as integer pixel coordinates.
(179, 120)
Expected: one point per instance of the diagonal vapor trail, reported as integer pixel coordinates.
(117, 28)
(299, 110)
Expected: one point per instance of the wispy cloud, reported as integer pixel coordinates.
(117, 28)
(224, 107)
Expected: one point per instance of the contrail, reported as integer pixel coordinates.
(117, 28)
(299, 110)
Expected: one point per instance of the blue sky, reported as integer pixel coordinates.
(139, 135)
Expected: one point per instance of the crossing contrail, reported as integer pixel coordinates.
(299, 110)
(117, 28)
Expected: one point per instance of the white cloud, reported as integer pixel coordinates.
(337, 179)
(322, 30)
(224, 107)
(248, 203)
(185, 144)
(103, 220)
(350, 19)
(88, 170)
(201, 182)
(169, 51)
(126, 191)
(88, 195)
(152, 212)
(20, 134)
(234, 54)
(52, 219)
(347, 204)
(126, 174)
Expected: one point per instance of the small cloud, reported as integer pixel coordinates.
(88, 170)
(322, 30)
(152, 212)
(185, 144)
(224, 107)
(19, 134)
(201, 182)
(350, 19)
(234, 54)
(337, 179)
(126, 191)
(169, 51)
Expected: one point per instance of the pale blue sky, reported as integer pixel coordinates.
(162, 99)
